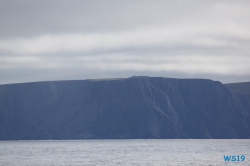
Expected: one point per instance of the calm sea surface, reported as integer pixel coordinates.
(123, 152)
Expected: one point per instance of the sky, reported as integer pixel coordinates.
(74, 39)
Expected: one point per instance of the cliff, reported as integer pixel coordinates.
(136, 107)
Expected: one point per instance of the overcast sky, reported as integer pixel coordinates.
(85, 39)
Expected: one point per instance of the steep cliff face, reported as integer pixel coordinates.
(136, 107)
(241, 95)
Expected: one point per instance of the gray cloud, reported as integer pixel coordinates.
(29, 17)
(162, 36)
(50, 40)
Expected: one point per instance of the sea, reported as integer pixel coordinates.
(129, 152)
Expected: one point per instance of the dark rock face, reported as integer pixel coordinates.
(241, 94)
(136, 107)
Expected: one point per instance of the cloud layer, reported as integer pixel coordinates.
(197, 39)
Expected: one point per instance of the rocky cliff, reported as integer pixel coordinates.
(136, 107)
